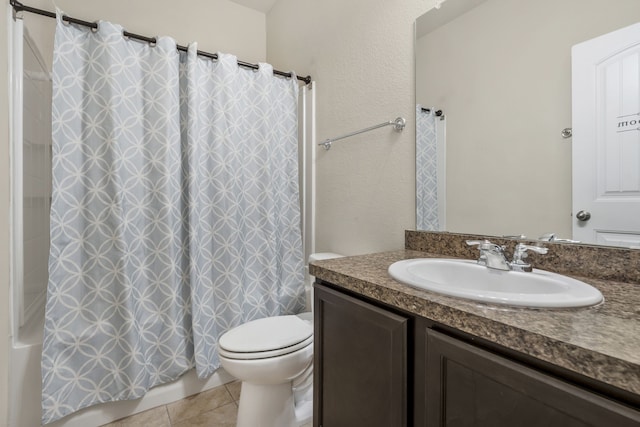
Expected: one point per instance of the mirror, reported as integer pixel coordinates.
(500, 70)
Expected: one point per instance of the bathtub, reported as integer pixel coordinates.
(26, 393)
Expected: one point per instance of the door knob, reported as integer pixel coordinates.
(583, 216)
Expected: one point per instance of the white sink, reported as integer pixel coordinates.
(467, 279)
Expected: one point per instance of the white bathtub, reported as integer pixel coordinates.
(26, 393)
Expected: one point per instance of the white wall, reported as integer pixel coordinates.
(360, 53)
(217, 25)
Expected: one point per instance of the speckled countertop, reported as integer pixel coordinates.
(601, 342)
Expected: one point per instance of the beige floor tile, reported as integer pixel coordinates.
(224, 416)
(113, 424)
(198, 404)
(156, 417)
(234, 389)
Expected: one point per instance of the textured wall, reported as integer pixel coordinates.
(360, 53)
(218, 25)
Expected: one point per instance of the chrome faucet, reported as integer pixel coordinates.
(520, 254)
(492, 255)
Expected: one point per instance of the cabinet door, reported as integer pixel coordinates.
(468, 386)
(360, 363)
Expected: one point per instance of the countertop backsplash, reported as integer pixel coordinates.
(598, 262)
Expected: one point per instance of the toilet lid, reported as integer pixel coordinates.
(270, 333)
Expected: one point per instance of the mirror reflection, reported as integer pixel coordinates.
(501, 73)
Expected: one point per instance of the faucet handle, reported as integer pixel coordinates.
(485, 245)
(521, 250)
(551, 237)
(520, 253)
(548, 237)
(491, 255)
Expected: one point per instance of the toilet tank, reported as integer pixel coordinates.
(323, 255)
(310, 279)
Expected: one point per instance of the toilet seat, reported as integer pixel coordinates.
(265, 354)
(265, 338)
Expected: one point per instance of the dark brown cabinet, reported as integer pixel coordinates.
(360, 365)
(468, 386)
(378, 366)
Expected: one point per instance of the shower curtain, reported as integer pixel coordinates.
(175, 213)
(426, 170)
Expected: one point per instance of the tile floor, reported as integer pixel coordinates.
(217, 407)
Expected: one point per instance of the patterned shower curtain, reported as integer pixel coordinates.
(426, 170)
(175, 213)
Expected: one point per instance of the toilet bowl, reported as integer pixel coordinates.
(273, 357)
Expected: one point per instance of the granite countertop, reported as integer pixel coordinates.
(600, 342)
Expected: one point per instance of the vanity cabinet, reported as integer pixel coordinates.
(360, 363)
(469, 386)
(378, 366)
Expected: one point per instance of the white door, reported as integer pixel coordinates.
(606, 138)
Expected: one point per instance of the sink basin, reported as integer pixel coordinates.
(467, 279)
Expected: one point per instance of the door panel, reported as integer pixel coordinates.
(606, 138)
(360, 363)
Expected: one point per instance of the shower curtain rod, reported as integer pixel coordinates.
(19, 7)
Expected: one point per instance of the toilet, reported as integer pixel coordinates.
(273, 357)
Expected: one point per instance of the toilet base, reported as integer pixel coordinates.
(269, 405)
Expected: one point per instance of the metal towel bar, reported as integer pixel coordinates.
(398, 124)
